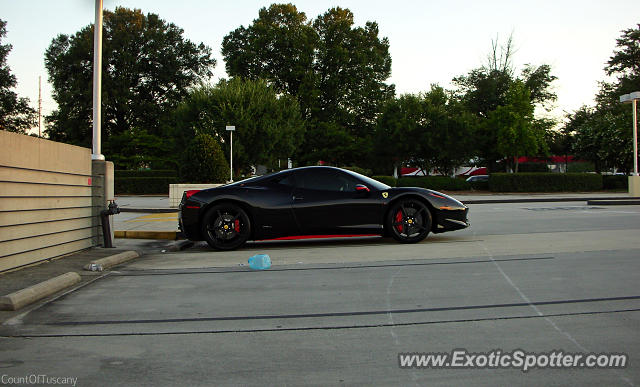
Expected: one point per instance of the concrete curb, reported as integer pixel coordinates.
(614, 202)
(26, 296)
(112, 260)
(149, 210)
(138, 234)
(542, 200)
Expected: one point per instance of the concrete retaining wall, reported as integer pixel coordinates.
(176, 191)
(47, 200)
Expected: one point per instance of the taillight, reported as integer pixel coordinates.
(191, 192)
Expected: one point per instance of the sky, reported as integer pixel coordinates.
(431, 41)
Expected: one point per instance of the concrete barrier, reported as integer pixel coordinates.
(113, 260)
(24, 297)
(176, 191)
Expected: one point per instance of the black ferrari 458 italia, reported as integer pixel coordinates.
(313, 201)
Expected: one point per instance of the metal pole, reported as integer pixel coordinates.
(40, 106)
(635, 137)
(97, 86)
(231, 154)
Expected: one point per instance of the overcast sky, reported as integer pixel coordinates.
(430, 41)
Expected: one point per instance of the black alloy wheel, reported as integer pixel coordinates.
(226, 226)
(409, 221)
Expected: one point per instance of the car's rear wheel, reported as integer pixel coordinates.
(226, 226)
(409, 221)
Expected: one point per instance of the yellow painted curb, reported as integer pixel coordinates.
(138, 234)
(112, 260)
(26, 296)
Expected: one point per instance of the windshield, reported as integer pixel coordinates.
(371, 183)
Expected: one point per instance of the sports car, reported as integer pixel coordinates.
(315, 201)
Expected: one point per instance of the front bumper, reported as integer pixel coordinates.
(451, 220)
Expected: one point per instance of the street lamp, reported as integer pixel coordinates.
(231, 129)
(97, 84)
(634, 180)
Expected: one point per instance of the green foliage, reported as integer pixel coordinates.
(336, 71)
(148, 68)
(438, 183)
(278, 46)
(497, 97)
(137, 149)
(615, 182)
(15, 113)
(479, 185)
(268, 126)
(429, 130)
(203, 161)
(603, 136)
(545, 182)
(118, 173)
(143, 185)
(603, 133)
(388, 180)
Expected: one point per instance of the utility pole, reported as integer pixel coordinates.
(40, 106)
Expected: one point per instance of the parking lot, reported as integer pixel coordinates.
(537, 277)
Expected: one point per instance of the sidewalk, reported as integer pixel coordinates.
(22, 278)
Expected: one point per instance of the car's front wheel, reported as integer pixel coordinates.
(226, 226)
(409, 221)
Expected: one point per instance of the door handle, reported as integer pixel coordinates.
(298, 198)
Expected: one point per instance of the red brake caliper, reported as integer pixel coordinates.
(237, 225)
(399, 225)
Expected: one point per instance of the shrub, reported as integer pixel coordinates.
(544, 182)
(617, 182)
(437, 183)
(204, 162)
(388, 180)
(143, 182)
(145, 173)
(143, 185)
(479, 185)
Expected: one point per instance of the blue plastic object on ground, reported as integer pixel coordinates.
(260, 262)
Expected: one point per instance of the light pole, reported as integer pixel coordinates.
(97, 83)
(634, 180)
(231, 129)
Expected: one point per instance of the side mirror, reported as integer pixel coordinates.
(362, 188)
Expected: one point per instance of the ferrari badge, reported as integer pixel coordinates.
(385, 195)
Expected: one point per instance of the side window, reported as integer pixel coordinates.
(286, 181)
(325, 180)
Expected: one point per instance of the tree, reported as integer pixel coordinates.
(485, 89)
(394, 136)
(268, 126)
(15, 113)
(148, 67)
(603, 133)
(279, 46)
(430, 130)
(514, 125)
(336, 71)
(203, 161)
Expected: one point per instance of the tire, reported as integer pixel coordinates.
(226, 226)
(409, 221)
